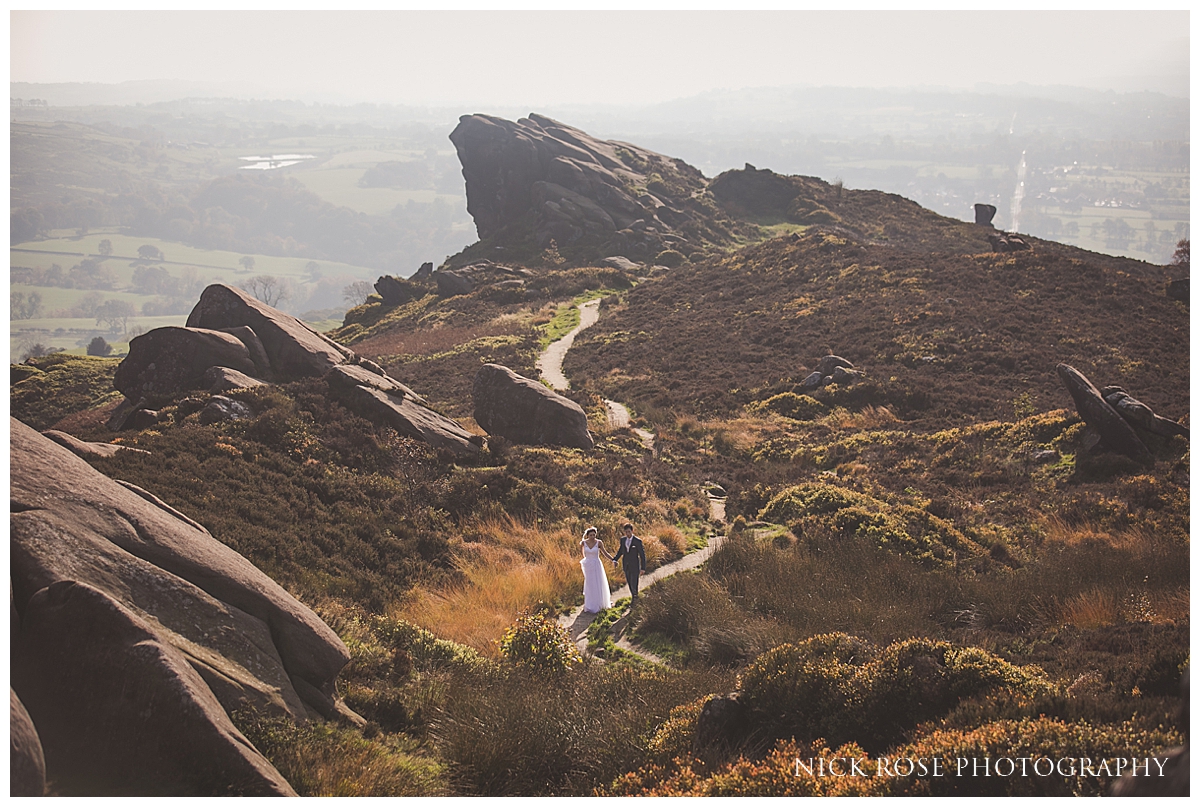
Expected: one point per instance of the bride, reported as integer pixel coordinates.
(595, 580)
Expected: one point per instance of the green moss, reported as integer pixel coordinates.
(65, 384)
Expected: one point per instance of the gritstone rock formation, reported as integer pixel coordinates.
(191, 627)
(984, 214)
(526, 411)
(537, 180)
(1116, 433)
(293, 349)
(386, 400)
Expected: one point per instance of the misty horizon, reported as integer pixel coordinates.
(476, 60)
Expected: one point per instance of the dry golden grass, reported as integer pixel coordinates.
(871, 417)
(506, 569)
(1092, 609)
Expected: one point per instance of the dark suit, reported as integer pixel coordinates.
(633, 561)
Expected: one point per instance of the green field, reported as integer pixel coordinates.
(339, 186)
(213, 262)
(210, 266)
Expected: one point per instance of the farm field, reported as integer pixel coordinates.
(202, 266)
(339, 186)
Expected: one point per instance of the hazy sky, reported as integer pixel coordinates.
(537, 58)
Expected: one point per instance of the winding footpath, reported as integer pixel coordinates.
(549, 364)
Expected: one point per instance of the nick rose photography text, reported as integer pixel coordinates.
(984, 766)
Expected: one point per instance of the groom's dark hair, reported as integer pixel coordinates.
(627, 527)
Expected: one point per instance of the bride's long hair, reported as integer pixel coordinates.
(589, 531)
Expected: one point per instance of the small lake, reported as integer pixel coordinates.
(273, 161)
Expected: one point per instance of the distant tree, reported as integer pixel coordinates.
(247, 262)
(105, 247)
(314, 271)
(88, 304)
(270, 289)
(22, 307)
(115, 315)
(24, 225)
(35, 350)
(149, 252)
(99, 347)
(1182, 259)
(356, 293)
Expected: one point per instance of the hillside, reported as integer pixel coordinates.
(928, 553)
(945, 336)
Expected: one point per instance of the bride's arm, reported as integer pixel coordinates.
(604, 552)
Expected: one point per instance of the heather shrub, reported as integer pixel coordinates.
(842, 688)
(320, 759)
(669, 258)
(66, 384)
(1039, 738)
(539, 643)
(776, 774)
(514, 732)
(791, 405)
(816, 510)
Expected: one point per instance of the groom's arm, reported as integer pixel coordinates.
(642, 554)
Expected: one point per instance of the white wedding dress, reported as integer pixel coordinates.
(595, 581)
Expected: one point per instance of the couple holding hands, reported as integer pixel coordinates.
(630, 552)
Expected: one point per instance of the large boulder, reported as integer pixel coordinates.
(540, 179)
(293, 349)
(384, 400)
(1140, 416)
(121, 712)
(168, 361)
(27, 763)
(251, 640)
(222, 379)
(984, 214)
(526, 411)
(395, 291)
(452, 284)
(1117, 434)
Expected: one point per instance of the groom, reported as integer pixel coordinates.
(632, 555)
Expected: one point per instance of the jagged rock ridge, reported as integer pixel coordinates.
(537, 180)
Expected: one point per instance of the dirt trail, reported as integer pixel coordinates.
(578, 621)
(550, 364)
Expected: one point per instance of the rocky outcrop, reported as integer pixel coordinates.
(167, 362)
(384, 400)
(540, 180)
(220, 409)
(1115, 432)
(1140, 416)
(984, 214)
(81, 448)
(223, 379)
(620, 262)
(525, 411)
(120, 711)
(249, 640)
(1008, 242)
(452, 284)
(395, 291)
(832, 370)
(293, 349)
(27, 763)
